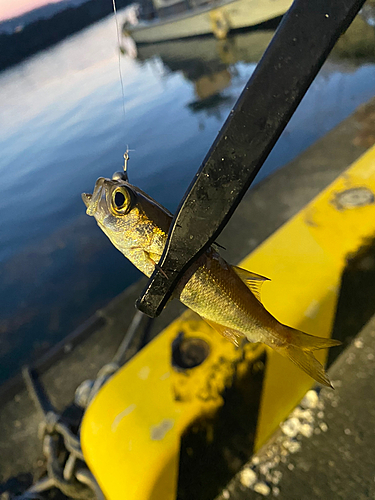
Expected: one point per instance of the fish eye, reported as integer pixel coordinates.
(120, 200)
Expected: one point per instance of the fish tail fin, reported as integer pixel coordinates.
(308, 363)
(299, 347)
(308, 342)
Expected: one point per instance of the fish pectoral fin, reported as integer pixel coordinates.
(228, 333)
(154, 259)
(143, 260)
(252, 280)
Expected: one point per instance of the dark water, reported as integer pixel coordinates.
(62, 125)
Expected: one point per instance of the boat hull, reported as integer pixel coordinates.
(219, 20)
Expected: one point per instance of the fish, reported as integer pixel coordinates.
(227, 297)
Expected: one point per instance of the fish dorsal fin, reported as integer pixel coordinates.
(252, 280)
(228, 333)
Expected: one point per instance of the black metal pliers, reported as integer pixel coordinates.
(301, 44)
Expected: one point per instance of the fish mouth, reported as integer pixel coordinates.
(92, 200)
(86, 197)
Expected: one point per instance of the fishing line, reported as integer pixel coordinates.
(119, 57)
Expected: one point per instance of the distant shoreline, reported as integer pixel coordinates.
(43, 33)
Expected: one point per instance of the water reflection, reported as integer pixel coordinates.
(209, 64)
(62, 126)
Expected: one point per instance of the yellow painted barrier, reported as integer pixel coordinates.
(131, 432)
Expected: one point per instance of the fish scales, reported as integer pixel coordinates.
(216, 293)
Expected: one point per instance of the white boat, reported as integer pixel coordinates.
(176, 20)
